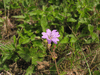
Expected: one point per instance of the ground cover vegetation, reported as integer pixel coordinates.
(49, 37)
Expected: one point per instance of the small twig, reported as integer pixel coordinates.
(1, 73)
(94, 67)
(72, 31)
(7, 72)
(93, 58)
(45, 71)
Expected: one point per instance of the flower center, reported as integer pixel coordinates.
(50, 37)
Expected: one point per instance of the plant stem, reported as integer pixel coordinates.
(87, 63)
(56, 67)
(49, 45)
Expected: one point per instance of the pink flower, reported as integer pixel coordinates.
(51, 36)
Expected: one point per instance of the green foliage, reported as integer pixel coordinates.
(75, 20)
(96, 72)
(98, 6)
(65, 39)
(6, 3)
(7, 52)
(44, 23)
(29, 71)
(63, 73)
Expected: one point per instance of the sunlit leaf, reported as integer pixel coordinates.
(14, 38)
(90, 28)
(44, 23)
(65, 40)
(29, 70)
(71, 20)
(19, 16)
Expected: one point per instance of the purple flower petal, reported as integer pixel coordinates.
(49, 41)
(44, 35)
(55, 34)
(54, 31)
(48, 31)
(55, 40)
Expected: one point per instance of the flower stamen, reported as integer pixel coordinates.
(50, 37)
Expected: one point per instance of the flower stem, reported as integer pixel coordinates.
(49, 45)
(56, 67)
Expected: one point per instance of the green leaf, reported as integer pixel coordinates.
(32, 13)
(24, 3)
(68, 14)
(6, 56)
(96, 72)
(54, 24)
(34, 60)
(16, 58)
(51, 8)
(71, 20)
(6, 1)
(24, 54)
(77, 26)
(61, 32)
(21, 25)
(98, 27)
(83, 20)
(44, 23)
(14, 38)
(98, 6)
(39, 12)
(63, 73)
(33, 37)
(33, 51)
(88, 41)
(73, 38)
(19, 16)
(44, 8)
(62, 29)
(59, 17)
(51, 18)
(94, 36)
(28, 32)
(1, 20)
(39, 44)
(50, 1)
(4, 67)
(90, 28)
(41, 54)
(36, 56)
(20, 40)
(65, 40)
(25, 40)
(29, 71)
